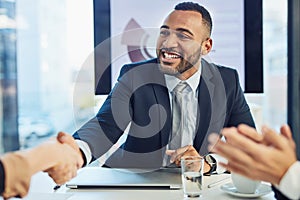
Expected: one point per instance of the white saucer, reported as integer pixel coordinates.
(263, 189)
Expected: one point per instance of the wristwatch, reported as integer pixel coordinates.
(211, 161)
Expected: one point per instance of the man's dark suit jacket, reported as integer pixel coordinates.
(140, 98)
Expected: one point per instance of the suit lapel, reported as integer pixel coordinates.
(204, 114)
(206, 91)
(207, 76)
(162, 96)
(212, 105)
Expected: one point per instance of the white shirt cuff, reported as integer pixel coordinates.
(219, 158)
(86, 150)
(290, 182)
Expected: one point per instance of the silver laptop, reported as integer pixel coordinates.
(98, 177)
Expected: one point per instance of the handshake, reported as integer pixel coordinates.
(69, 159)
(60, 157)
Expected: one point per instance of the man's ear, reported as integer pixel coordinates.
(206, 46)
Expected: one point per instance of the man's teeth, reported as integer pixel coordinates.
(170, 56)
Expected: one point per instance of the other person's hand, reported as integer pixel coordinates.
(261, 157)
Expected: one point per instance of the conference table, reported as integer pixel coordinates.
(42, 189)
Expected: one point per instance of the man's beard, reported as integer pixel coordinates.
(183, 66)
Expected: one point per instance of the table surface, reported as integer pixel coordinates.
(42, 188)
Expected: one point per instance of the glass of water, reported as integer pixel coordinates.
(192, 172)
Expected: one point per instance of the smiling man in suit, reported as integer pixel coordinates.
(142, 104)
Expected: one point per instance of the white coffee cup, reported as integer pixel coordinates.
(244, 184)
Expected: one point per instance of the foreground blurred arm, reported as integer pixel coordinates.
(269, 157)
(19, 166)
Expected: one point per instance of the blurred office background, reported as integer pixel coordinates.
(46, 45)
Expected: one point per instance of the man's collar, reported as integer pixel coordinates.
(193, 81)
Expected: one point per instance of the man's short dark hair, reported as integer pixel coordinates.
(190, 6)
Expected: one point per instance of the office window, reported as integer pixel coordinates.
(8, 80)
(53, 40)
(273, 103)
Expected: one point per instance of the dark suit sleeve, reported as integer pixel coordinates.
(2, 178)
(279, 195)
(104, 130)
(238, 108)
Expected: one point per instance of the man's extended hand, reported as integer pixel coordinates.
(188, 150)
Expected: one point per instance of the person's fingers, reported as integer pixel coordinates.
(239, 141)
(250, 132)
(231, 135)
(68, 139)
(236, 167)
(57, 173)
(226, 150)
(20, 189)
(272, 138)
(237, 160)
(79, 162)
(68, 175)
(229, 130)
(213, 139)
(23, 190)
(66, 169)
(182, 149)
(285, 130)
(170, 152)
(74, 173)
(7, 195)
(177, 154)
(62, 176)
(61, 137)
(190, 151)
(76, 155)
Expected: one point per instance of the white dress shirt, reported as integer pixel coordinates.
(290, 182)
